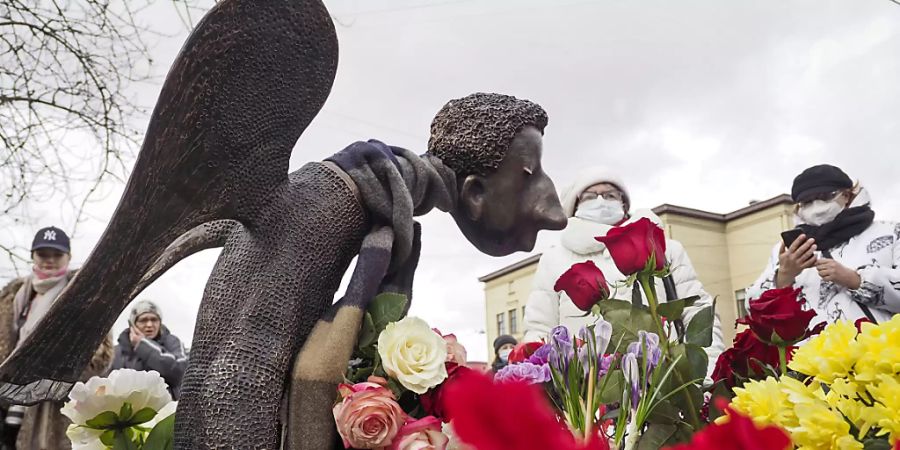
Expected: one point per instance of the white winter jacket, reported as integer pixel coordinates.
(547, 309)
(874, 253)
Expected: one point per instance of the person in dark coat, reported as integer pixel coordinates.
(148, 345)
(503, 346)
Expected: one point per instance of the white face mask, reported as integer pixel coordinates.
(601, 210)
(504, 354)
(820, 212)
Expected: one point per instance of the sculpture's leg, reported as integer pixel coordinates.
(270, 286)
(322, 362)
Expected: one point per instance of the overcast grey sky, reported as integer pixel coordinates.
(705, 104)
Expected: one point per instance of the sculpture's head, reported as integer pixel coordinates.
(494, 143)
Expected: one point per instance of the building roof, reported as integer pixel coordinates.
(783, 199)
(533, 259)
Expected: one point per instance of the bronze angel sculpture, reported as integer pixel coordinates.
(270, 345)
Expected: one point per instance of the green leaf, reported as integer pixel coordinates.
(664, 413)
(694, 360)
(396, 387)
(162, 435)
(626, 320)
(612, 391)
(367, 334)
(386, 308)
(699, 331)
(143, 416)
(655, 437)
(122, 442)
(675, 309)
(103, 421)
(125, 412)
(876, 444)
(108, 438)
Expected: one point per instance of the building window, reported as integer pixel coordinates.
(740, 298)
(513, 322)
(501, 324)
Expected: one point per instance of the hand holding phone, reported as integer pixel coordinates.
(795, 257)
(789, 236)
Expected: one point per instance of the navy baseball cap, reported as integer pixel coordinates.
(51, 237)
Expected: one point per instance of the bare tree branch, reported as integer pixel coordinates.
(65, 67)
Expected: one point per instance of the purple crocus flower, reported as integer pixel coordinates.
(606, 362)
(541, 356)
(560, 334)
(632, 377)
(561, 354)
(651, 342)
(526, 371)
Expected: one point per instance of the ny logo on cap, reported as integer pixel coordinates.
(49, 235)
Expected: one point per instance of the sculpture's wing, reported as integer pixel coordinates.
(247, 82)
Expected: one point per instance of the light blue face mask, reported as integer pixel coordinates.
(601, 210)
(504, 354)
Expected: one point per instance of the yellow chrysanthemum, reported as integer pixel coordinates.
(879, 347)
(851, 407)
(821, 428)
(766, 402)
(886, 411)
(829, 355)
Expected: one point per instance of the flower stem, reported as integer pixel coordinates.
(782, 358)
(589, 406)
(650, 292)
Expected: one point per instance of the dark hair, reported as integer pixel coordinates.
(471, 134)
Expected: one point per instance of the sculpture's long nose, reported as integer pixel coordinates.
(550, 213)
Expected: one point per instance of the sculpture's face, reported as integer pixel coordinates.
(502, 212)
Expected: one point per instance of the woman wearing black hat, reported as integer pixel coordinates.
(503, 346)
(845, 262)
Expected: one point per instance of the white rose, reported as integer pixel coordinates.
(414, 354)
(140, 389)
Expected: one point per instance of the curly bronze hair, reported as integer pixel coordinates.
(471, 134)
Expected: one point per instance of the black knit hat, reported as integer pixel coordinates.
(502, 340)
(817, 180)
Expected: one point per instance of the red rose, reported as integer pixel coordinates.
(631, 246)
(433, 400)
(739, 432)
(585, 285)
(859, 323)
(505, 416)
(523, 351)
(778, 317)
(738, 361)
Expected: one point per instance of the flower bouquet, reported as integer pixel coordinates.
(839, 390)
(128, 410)
(393, 397)
(635, 375)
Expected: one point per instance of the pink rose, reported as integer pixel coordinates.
(456, 353)
(422, 434)
(368, 416)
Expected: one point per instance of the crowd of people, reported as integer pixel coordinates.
(145, 345)
(844, 261)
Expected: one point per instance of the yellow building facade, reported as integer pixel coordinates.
(728, 251)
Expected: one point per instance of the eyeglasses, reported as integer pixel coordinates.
(608, 195)
(145, 320)
(824, 196)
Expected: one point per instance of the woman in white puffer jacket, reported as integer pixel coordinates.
(595, 203)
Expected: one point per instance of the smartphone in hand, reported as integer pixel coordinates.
(789, 236)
